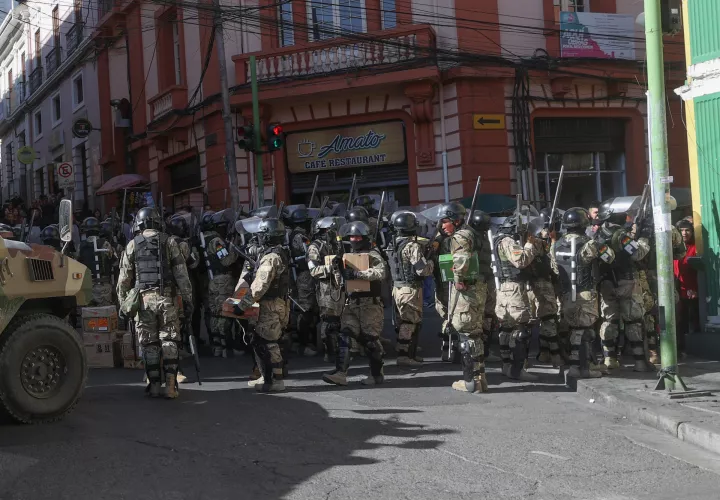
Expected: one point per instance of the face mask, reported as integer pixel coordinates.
(359, 246)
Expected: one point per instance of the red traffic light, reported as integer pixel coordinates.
(277, 129)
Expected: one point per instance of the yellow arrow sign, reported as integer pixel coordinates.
(485, 121)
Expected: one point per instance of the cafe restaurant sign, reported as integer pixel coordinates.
(367, 145)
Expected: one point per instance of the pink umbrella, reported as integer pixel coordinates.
(120, 182)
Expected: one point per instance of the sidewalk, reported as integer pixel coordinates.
(695, 420)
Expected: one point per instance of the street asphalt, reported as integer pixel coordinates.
(411, 438)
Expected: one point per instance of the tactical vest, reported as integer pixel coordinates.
(87, 256)
(402, 271)
(541, 267)
(147, 262)
(484, 255)
(623, 265)
(586, 275)
(508, 272)
(216, 266)
(281, 284)
(375, 286)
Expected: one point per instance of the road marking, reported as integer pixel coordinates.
(551, 455)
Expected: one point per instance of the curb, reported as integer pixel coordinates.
(672, 422)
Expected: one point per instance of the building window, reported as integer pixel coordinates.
(286, 29)
(332, 18)
(37, 121)
(78, 94)
(575, 6)
(38, 49)
(176, 50)
(389, 16)
(56, 110)
(185, 176)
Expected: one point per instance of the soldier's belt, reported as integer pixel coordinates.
(407, 284)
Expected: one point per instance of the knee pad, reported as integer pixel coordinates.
(523, 333)
(170, 356)
(372, 345)
(152, 355)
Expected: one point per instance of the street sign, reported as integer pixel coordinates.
(66, 175)
(26, 155)
(81, 128)
(485, 121)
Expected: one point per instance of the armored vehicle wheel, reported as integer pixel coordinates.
(42, 369)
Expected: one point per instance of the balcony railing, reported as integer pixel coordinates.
(408, 44)
(18, 92)
(53, 60)
(173, 98)
(74, 37)
(36, 79)
(2, 108)
(7, 103)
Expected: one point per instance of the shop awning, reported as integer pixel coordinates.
(120, 182)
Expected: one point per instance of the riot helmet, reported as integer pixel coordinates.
(404, 222)
(615, 210)
(358, 214)
(106, 229)
(296, 215)
(221, 221)
(269, 211)
(480, 221)
(358, 233)
(454, 211)
(7, 232)
(367, 202)
(326, 225)
(90, 226)
(575, 220)
(178, 226)
(147, 218)
(50, 236)
(206, 221)
(271, 231)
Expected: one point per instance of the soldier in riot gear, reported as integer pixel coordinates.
(363, 209)
(153, 266)
(480, 223)
(513, 306)
(98, 255)
(543, 288)
(50, 236)
(576, 257)
(329, 292)
(298, 220)
(363, 315)
(221, 256)
(408, 267)
(269, 288)
(620, 289)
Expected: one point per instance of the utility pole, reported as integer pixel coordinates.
(230, 160)
(258, 132)
(661, 191)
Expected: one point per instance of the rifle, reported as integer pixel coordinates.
(203, 246)
(642, 210)
(312, 196)
(191, 342)
(379, 218)
(319, 215)
(352, 190)
(558, 190)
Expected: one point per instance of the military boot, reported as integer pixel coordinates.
(154, 389)
(181, 379)
(375, 378)
(478, 385)
(611, 363)
(171, 388)
(335, 377)
(277, 385)
(544, 357)
(408, 362)
(518, 370)
(257, 381)
(654, 356)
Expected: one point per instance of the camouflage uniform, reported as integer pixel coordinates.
(101, 269)
(467, 310)
(330, 296)
(546, 308)
(513, 305)
(581, 314)
(408, 266)
(442, 290)
(222, 286)
(306, 326)
(623, 300)
(157, 322)
(269, 289)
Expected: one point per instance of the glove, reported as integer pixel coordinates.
(237, 310)
(337, 262)
(646, 231)
(349, 274)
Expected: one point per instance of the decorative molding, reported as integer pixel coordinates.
(421, 95)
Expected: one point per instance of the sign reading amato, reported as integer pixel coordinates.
(366, 145)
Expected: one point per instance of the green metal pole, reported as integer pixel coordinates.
(661, 190)
(258, 138)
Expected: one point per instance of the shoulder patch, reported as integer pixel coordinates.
(220, 250)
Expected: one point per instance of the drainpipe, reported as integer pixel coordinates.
(443, 139)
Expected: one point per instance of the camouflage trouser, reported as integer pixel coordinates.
(649, 303)
(306, 325)
(513, 313)
(362, 320)
(102, 295)
(580, 316)
(547, 310)
(441, 301)
(220, 288)
(468, 315)
(201, 310)
(272, 320)
(158, 330)
(331, 301)
(409, 308)
(624, 303)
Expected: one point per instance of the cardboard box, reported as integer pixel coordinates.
(228, 307)
(358, 262)
(127, 348)
(99, 319)
(104, 354)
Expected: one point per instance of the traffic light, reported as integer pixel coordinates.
(246, 137)
(275, 137)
